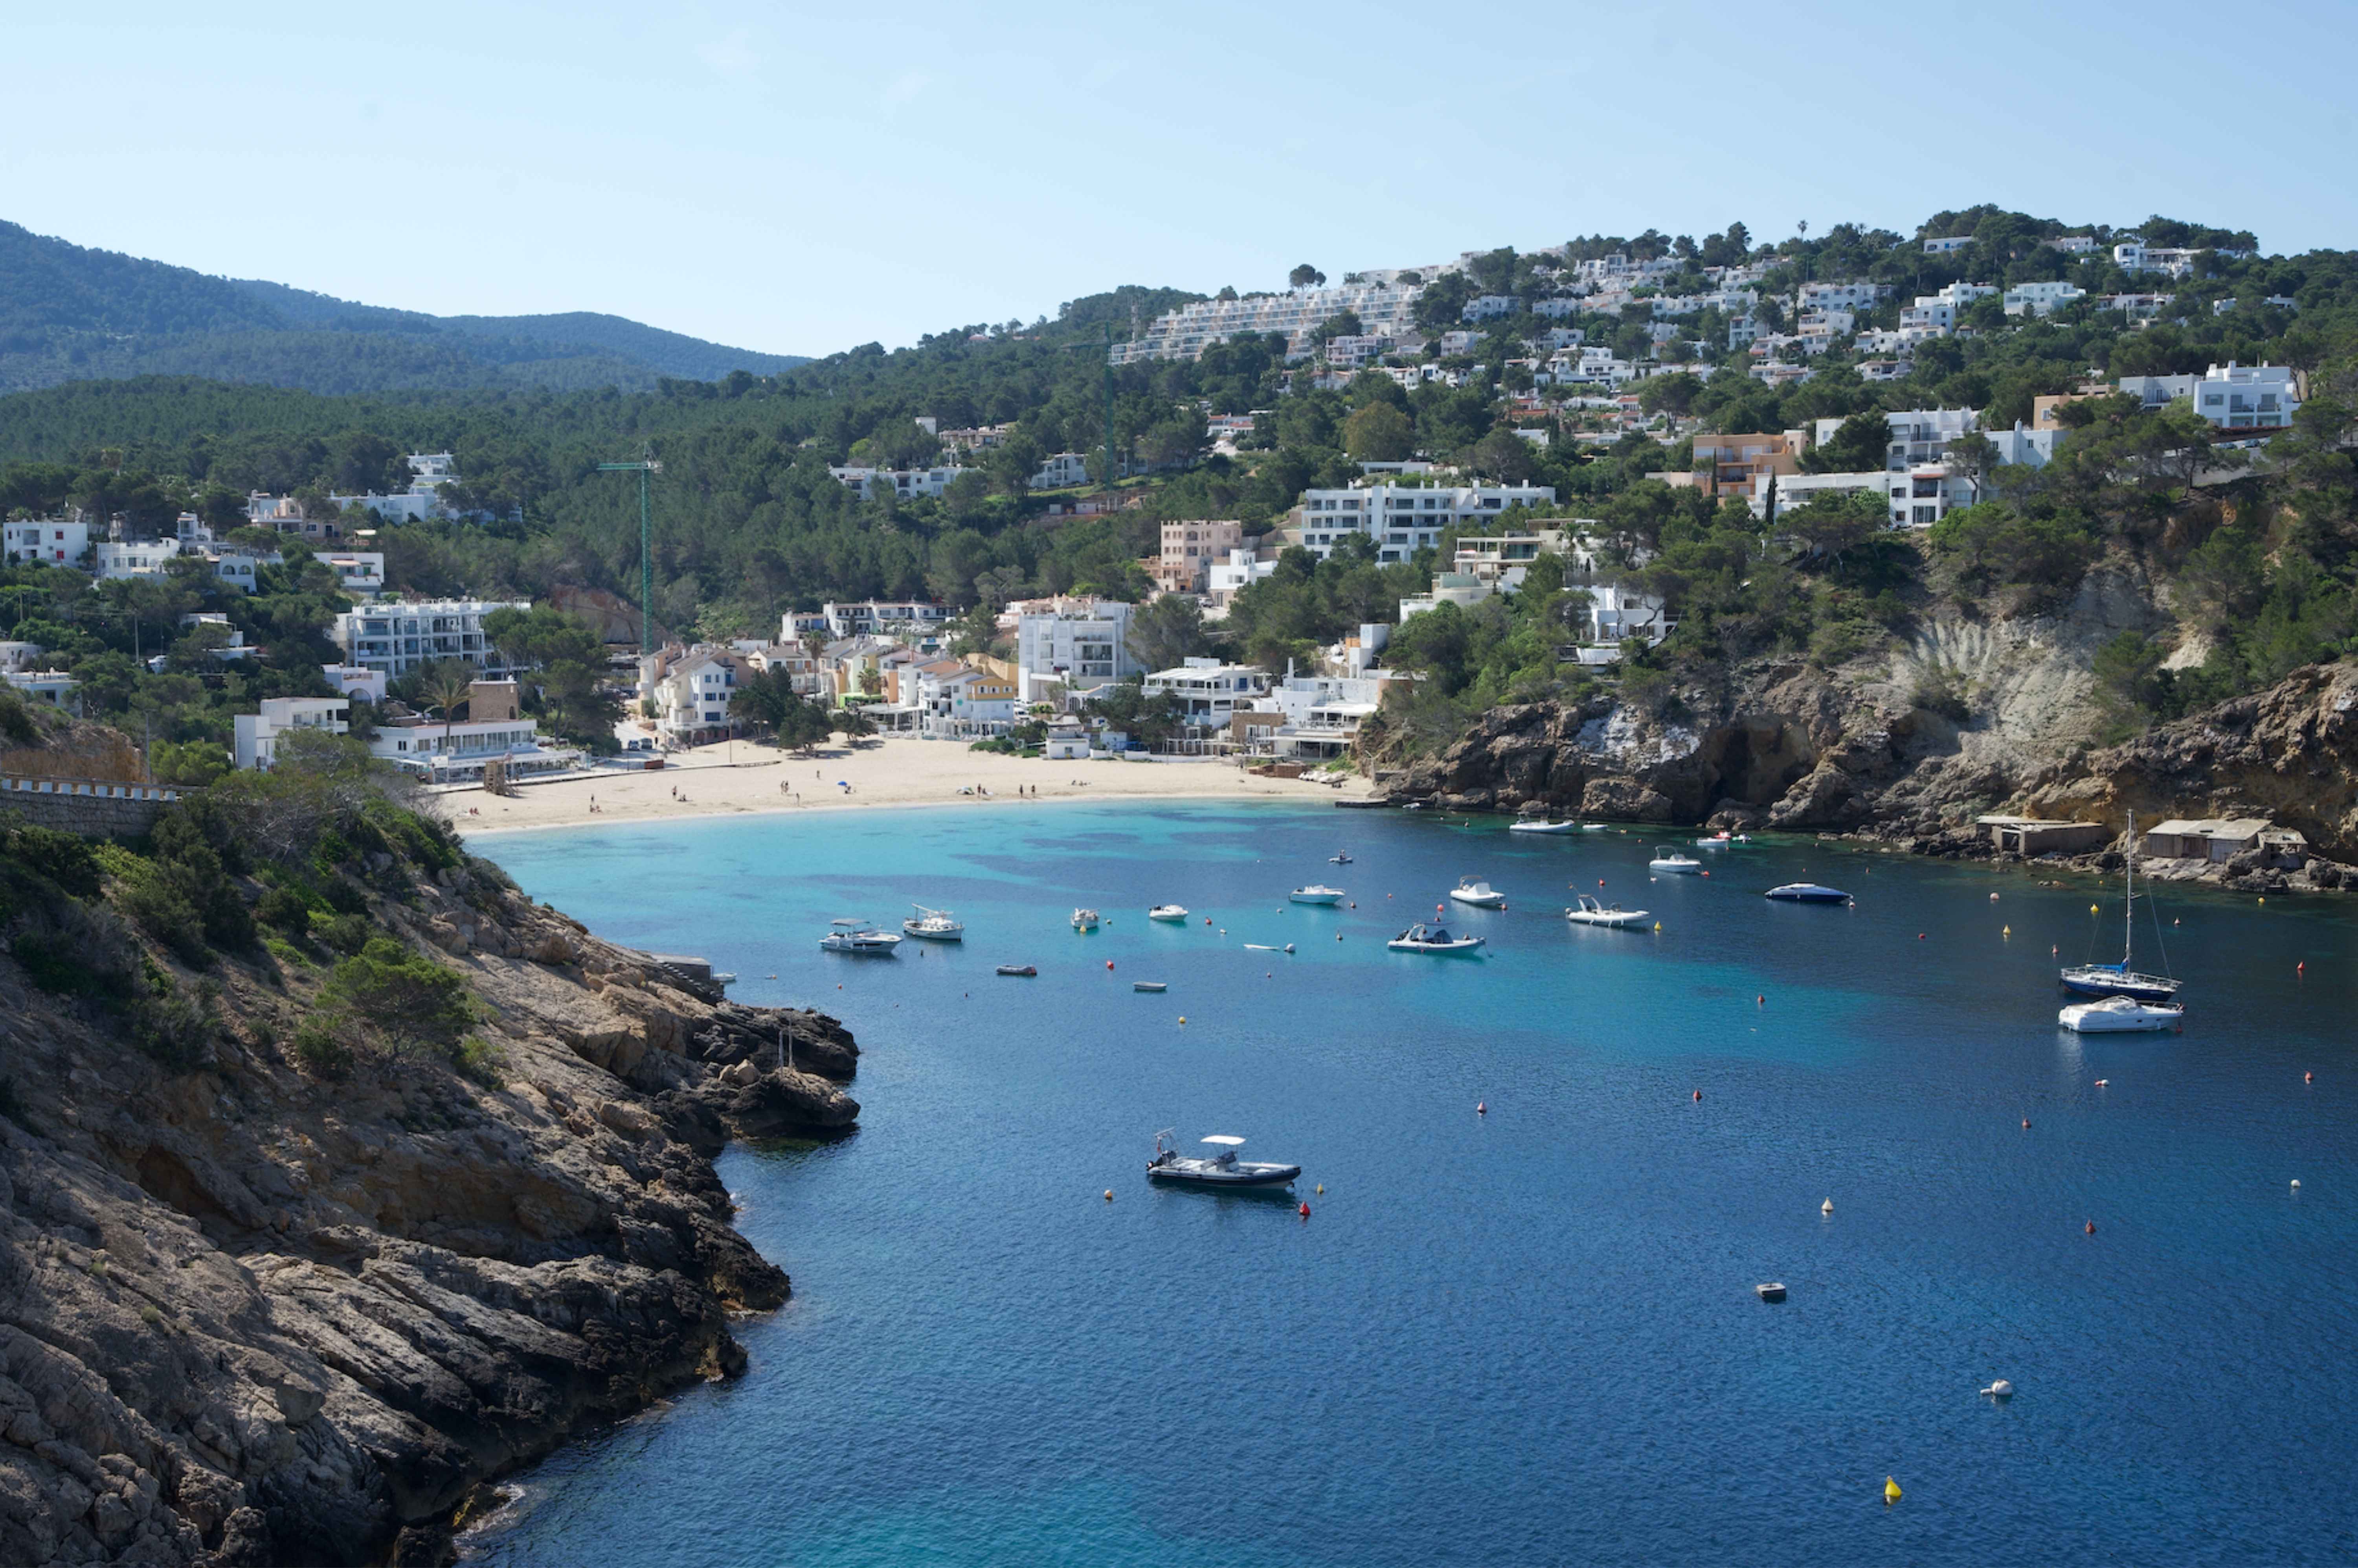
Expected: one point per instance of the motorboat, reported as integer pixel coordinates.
(1338, 859)
(1592, 827)
(2121, 1015)
(1167, 912)
(1220, 1168)
(1668, 859)
(1807, 893)
(1540, 825)
(1023, 971)
(934, 926)
(1155, 986)
(1477, 893)
(1771, 1291)
(1424, 938)
(1723, 841)
(1591, 911)
(1317, 893)
(1085, 920)
(1268, 948)
(2121, 979)
(859, 937)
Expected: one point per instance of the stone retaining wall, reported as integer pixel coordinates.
(95, 808)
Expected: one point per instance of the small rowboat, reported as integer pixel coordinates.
(1025, 970)
(1149, 985)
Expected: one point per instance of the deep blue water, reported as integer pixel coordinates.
(1524, 1338)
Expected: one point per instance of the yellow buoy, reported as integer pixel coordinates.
(2091, 909)
(2006, 931)
(1183, 1018)
(1891, 1490)
(1322, 1188)
(1658, 925)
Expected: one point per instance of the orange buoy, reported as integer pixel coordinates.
(1306, 1211)
(1109, 1194)
(2025, 1122)
(1698, 1094)
(1761, 1000)
(2091, 1227)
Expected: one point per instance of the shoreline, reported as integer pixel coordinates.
(900, 771)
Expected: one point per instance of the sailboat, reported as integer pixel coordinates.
(2121, 979)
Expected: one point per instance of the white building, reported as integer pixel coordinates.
(963, 703)
(437, 752)
(1618, 612)
(1939, 312)
(1948, 246)
(1208, 691)
(1225, 576)
(2154, 392)
(15, 656)
(49, 541)
(1080, 645)
(907, 484)
(2247, 397)
(397, 637)
(1311, 718)
(1403, 519)
(2172, 261)
(2040, 299)
(357, 571)
(1383, 305)
(1851, 296)
(1490, 306)
(352, 680)
(258, 734)
(913, 618)
(1918, 435)
(691, 689)
(1461, 588)
(1917, 497)
(1062, 472)
(53, 686)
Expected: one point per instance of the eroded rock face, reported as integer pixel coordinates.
(251, 1317)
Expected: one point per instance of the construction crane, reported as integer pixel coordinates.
(644, 468)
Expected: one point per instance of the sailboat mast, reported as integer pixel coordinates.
(2128, 908)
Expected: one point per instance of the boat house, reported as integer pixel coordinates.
(2222, 838)
(2033, 836)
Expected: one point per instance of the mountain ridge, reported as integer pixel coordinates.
(71, 313)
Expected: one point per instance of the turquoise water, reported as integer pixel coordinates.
(1523, 1337)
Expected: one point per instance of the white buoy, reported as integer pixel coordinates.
(2001, 1389)
(1827, 1206)
(2295, 1183)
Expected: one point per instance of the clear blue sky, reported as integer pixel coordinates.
(803, 178)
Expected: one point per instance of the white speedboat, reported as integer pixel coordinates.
(1221, 1168)
(1668, 859)
(1424, 938)
(1591, 911)
(934, 926)
(859, 937)
(1167, 912)
(1338, 859)
(1722, 841)
(2121, 1015)
(1477, 893)
(1807, 893)
(1085, 920)
(1540, 825)
(1317, 893)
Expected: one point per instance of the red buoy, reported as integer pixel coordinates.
(2308, 1077)
(2091, 1227)
(1109, 963)
(2025, 1122)
(1306, 1211)
(1761, 1000)
(1920, 936)
(1698, 1094)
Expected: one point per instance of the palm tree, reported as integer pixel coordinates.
(445, 683)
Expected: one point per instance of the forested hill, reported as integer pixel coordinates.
(71, 314)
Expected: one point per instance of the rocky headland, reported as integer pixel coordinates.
(278, 1283)
(1966, 718)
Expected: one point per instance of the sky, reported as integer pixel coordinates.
(803, 179)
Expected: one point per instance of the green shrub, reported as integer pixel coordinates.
(285, 952)
(479, 1059)
(412, 999)
(171, 1029)
(16, 722)
(284, 908)
(345, 933)
(320, 1050)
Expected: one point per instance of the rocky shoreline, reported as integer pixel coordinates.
(251, 1315)
(1791, 748)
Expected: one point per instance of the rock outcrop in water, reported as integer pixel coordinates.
(251, 1314)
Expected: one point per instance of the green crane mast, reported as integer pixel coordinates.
(644, 468)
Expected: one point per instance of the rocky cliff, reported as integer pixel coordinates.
(254, 1315)
(1965, 716)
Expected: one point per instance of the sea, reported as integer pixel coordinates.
(1508, 1314)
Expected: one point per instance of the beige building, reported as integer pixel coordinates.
(1188, 551)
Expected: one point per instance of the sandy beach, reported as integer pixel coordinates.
(719, 780)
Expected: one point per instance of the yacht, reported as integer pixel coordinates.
(1591, 911)
(2121, 979)
(1668, 859)
(1540, 825)
(1424, 938)
(1220, 1168)
(1317, 893)
(933, 924)
(859, 937)
(2121, 1015)
(1807, 893)
(1085, 920)
(1477, 893)
(1171, 912)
